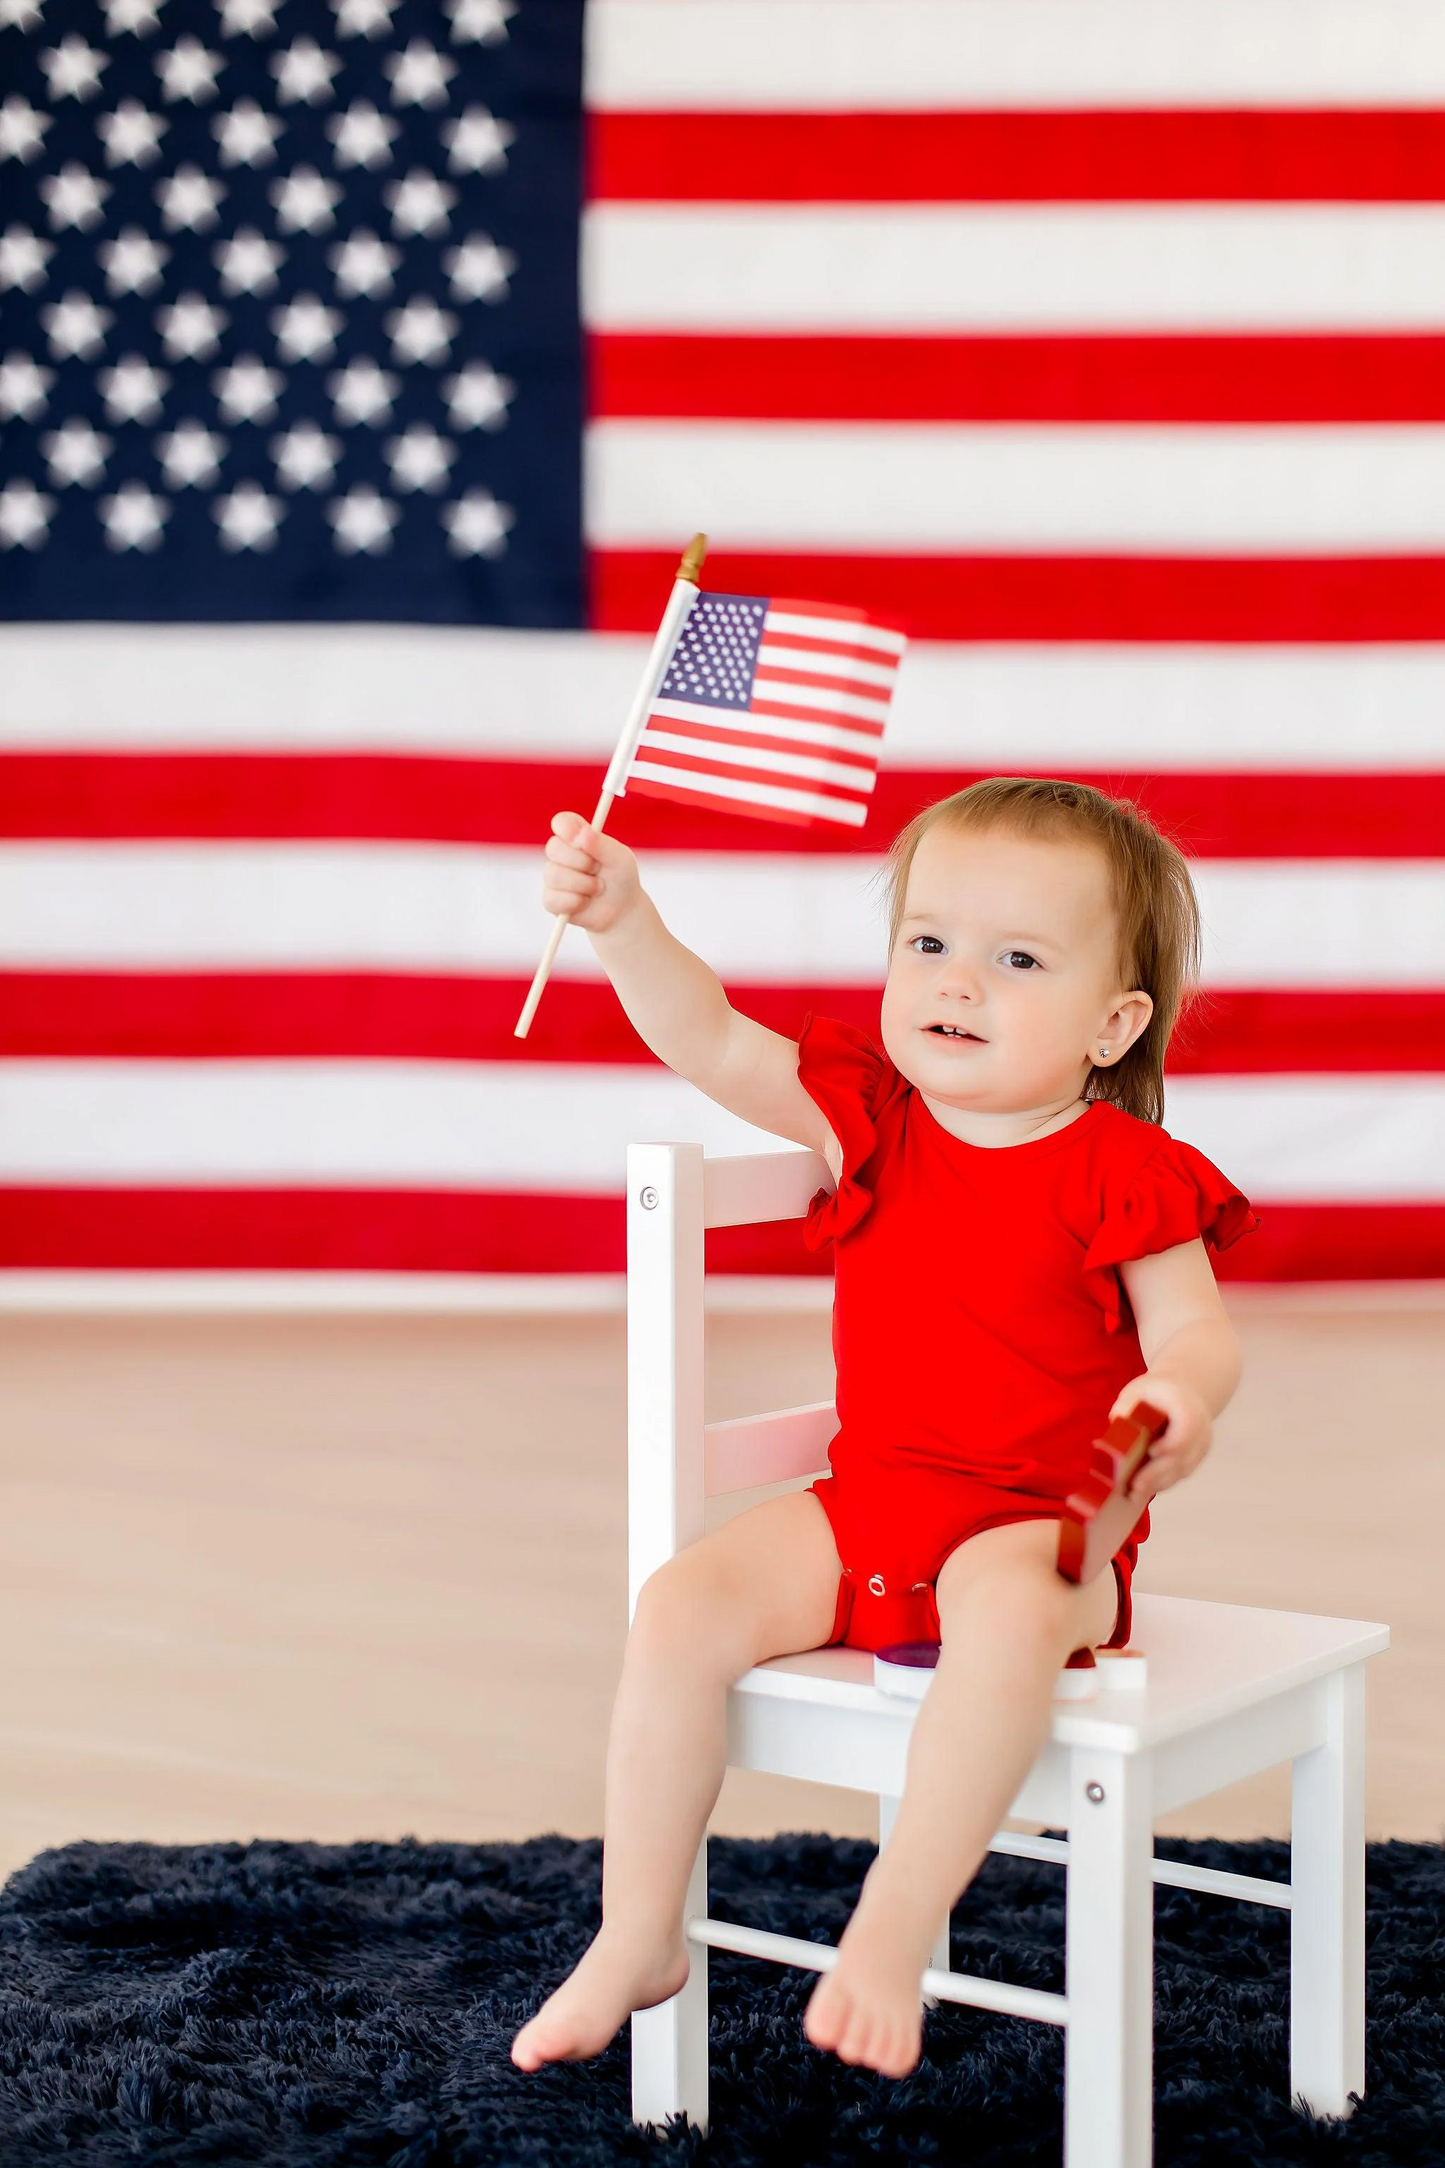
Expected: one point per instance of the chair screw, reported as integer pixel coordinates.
(1094, 1793)
(647, 1198)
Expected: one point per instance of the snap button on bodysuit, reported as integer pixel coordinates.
(875, 1585)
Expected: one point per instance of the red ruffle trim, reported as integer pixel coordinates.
(1176, 1196)
(850, 1077)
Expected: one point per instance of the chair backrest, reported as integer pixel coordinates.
(675, 1461)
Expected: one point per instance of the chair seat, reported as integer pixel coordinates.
(1207, 1662)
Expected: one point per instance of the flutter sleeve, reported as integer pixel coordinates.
(1175, 1196)
(854, 1083)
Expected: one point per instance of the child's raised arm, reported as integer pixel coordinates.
(673, 998)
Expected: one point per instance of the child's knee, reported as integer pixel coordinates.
(1019, 1593)
(684, 1613)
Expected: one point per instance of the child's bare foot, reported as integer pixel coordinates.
(613, 1979)
(869, 2008)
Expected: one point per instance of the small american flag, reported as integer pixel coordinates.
(771, 707)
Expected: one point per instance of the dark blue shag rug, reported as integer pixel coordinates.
(334, 2006)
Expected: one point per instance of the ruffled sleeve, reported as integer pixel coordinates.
(854, 1082)
(1175, 1196)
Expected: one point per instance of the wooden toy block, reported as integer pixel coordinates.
(1099, 1516)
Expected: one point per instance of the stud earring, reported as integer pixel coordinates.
(1103, 1053)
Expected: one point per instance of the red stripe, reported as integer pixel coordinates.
(1183, 156)
(263, 797)
(772, 673)
(174, 1230)
(729, 734)
(1083, 377)
(712, 801)
(357, 1016)
(1234, 600)
(797, 643)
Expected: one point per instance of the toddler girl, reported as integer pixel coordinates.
(1019, 1254)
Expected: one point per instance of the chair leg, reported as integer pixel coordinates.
(1327, 1919)
(1109, 2039)
(938, 1956)
(669, 2043)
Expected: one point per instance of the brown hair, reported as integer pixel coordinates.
(1154, 900)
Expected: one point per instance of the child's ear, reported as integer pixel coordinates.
(1125, 1024)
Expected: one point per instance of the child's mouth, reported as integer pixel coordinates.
(955, 1031)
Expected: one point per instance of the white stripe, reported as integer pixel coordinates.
(940, 267)
(513, 1127)
(864, 744)
(850, 813)
(845, 773)
(816, 698)
(304, 688)
(767, 917)
(847, 632)
(874, 55)
(1310, 1139)
(770, 655)
(907, 486)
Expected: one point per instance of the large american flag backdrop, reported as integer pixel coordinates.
(1099, 344)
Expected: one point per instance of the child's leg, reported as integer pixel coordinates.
(762, 1585)
(1009, 1622)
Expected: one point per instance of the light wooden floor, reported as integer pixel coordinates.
(359, 1577)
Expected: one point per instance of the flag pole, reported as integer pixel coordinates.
(674, 617)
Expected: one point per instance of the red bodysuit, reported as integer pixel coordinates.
(980, 1329)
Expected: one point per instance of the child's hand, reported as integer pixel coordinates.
(589, 875)
(1185, 1442)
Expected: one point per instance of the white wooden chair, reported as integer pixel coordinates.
(1229, 1691)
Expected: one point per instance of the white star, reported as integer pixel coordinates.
(477, 142)
(305, 456)
(477, 525)
(363, 521)
(72, 196)
(23, 385)
(21, 129)
(191, 455)
(420, 332)
(188, 70)
(479, 270)
(419, 204)
(477, 398)
(248, 518)
(480, 22)
(190, 328)
(131, 135)
(248, 262)
(76, 455)
(75, 326)
(246, 391)
(363, 18)
(134, 517)
(363, 264)
(420, 75)
(24, 516)
(140, 17)
(73, 68)
(303, 73)
(362, 393)
(306, 329)
(132, 261)
(305, 202)
(189, 199)
(419, 458)
(363, 137)
(23, 257)
(132, 389)
(247, 135)
(19, 15)
(248, 18)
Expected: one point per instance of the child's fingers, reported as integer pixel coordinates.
(559, 853)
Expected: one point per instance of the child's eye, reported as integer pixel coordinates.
(1018, 959)
(933, 937)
